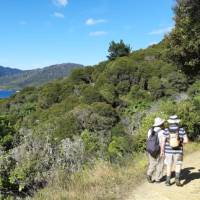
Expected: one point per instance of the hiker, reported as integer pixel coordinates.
(154, 142)
(172, 148)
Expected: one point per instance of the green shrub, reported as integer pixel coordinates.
(194, 89)
(65, 126)
(155, 86)
(91, 95)
(7, 164)
(196, 102)
(190, 118)
(136, 93)
(177, 81)
(118, 130)
(82, 75)
(24, 174)
(123, 87)
(104, 109)
(49, 95)
(118, 148)
(91, 143)
(7, 133)
(108, 93)
(122, 69)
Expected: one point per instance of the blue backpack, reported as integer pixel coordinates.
(153, 145)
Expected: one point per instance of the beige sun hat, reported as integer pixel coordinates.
(173, 119)
(158, 121)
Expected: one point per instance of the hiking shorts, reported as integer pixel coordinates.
(176, 159)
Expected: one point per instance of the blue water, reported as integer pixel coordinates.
(6, 93)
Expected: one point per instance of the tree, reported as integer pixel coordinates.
(118, 50)
(184, 40)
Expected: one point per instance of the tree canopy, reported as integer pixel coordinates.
(184, 40)
(118, 49)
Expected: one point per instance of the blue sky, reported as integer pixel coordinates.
(38, 33)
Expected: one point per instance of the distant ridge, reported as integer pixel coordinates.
(7, 71)
(18, 79)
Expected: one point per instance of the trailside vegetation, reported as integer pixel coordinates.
(184, 40)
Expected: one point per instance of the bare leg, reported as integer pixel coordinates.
(169, 161)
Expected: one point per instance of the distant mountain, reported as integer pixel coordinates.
(36, 77)
(6, 71)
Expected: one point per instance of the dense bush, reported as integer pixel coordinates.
(49, 95)
(91, 95)
(188, 113)
(6, 134)
(183, 41)
(194, 89)
(82, 75)
(118, 148)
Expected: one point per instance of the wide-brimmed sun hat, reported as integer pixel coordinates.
(158, 121)
(173, 119)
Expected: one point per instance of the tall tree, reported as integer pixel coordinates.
(118, 49)
(184, 40)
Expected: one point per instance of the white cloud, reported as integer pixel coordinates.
(61, 2)
(152, 43)
(59, 15)
(161, 31)
(92, 22)
(98, 33)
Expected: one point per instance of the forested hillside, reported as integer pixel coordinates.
(101, 112)
(36, 77)
(6, 71)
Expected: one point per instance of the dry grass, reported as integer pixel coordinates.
(103, 182)
(192, 147)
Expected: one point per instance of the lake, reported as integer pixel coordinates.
(6, 93)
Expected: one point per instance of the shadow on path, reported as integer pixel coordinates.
(187, 175)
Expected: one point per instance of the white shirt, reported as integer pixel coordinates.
(160, 133)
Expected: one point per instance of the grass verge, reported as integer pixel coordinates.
(102, 181)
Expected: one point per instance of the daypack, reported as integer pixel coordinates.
(153, 145)
(174, 140)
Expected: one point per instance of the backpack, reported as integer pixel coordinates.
(174, 140)
(153, 145)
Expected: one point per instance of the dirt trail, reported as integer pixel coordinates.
(189, 191)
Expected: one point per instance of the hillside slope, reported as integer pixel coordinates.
(37, 77)
(7, 71)
(100, 112)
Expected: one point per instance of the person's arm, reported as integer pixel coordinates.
(185, 139)
(162, 147)
(149, 133)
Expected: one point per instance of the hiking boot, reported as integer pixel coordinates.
(167, 183)
(149, 179)
(178, 183)
(158, 181)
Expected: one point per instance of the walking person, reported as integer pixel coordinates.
(172, 148)
(154, 142)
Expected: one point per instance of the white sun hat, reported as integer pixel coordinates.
(158, 121)
(173, 119)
